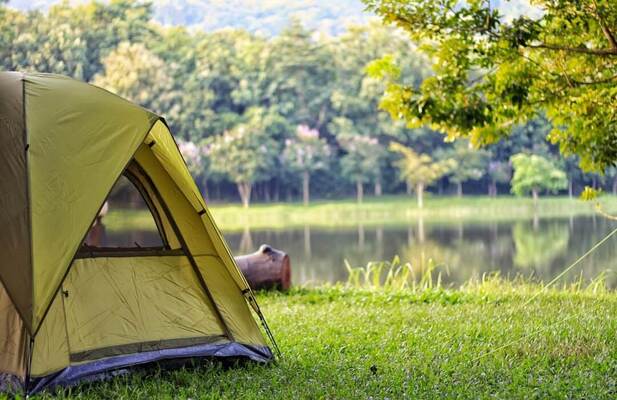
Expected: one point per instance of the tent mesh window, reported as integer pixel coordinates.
(125, 222)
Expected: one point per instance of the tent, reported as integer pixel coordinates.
(70, 311)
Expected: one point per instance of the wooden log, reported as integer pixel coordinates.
(267, 268)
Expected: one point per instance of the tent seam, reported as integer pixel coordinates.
(251, 300)
(188, 254)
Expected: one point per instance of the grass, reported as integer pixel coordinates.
(479, 341)
(384, 211)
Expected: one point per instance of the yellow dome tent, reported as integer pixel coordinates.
(69, 311)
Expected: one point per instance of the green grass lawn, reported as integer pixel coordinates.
(386, 210)
(480, 341)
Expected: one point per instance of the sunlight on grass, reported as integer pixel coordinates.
(472, 342)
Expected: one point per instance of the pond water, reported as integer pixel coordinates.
(540, 248)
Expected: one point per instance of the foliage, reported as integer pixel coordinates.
(492, 72)
(363, 156)
(133, 72)
(590, 194)
(469, 164)
(196, 156)
(419, 170)
(205, 84)
(305, 154)
(247, 152)
(361, 161)
(533, 173)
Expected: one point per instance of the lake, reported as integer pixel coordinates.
(540, 248)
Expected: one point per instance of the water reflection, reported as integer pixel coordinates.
(536, 247)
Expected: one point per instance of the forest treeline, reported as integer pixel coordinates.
(275, 118)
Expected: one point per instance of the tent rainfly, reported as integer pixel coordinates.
(70, 311)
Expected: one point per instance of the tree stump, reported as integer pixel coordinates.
(267, 268)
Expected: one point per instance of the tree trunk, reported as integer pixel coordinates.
(408, 188)
(492, 188)
(420, 194)
(459, 189)
(615, 185)
(204, 185)
(218, 190)
(267, 192)
(359, 191)
(277, 191)
(534, 194)
(570, 188)
(244, 189)
(306, 177)
(267, 268)
(378, 190)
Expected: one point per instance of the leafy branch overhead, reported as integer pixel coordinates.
(492, 71)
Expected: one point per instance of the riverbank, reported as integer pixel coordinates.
(399, 211)
(480, 341)
(382, 211)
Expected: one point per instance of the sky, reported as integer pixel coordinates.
(269, 16)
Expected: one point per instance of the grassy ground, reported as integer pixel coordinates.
(386, 210)
(481, 341)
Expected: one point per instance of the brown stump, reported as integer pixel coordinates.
(267, 268)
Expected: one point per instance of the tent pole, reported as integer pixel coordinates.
(186, 250)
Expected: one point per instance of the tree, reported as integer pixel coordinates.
(498, 172)
(419, 170)
(360, 164)
(305, 154)
(197, 160)
(133, 72)
(35, 42)
(533, 173)
(301, 75)
(491, 71)
(246, 153)
(363, 156)
(470, 164)
(71, 40)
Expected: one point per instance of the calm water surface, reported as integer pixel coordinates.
(540, 248)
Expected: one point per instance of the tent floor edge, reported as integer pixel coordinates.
(110, 367)
(11, 383)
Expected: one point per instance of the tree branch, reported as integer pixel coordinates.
(610, 52)
(607, 32)
(574, 81)
(607, 80)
